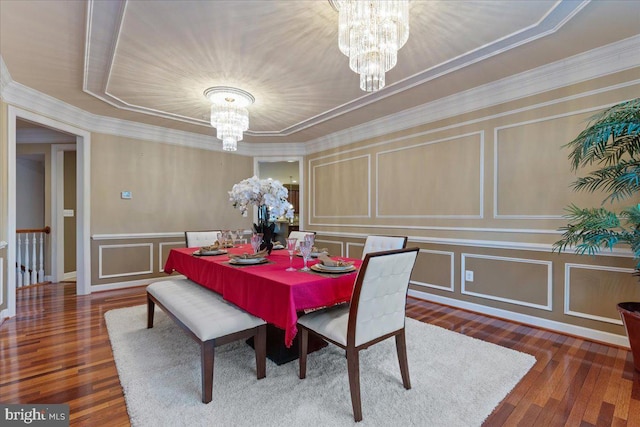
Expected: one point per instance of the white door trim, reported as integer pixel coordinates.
(83, 192)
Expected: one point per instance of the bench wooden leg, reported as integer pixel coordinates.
(261, 351)
(150, 311)
(304, 348)
(207, 355)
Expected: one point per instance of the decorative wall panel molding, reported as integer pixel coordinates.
(331, 242)
(523, 189)
(350, 244)
(547, 265)
(602, 294)
(137, 236)
(429, 161)
(104, 248)
(450, 286)
(161, 257)
(343, 195)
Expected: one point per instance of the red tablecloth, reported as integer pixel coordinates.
(265, 290)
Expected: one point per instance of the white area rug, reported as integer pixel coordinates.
(456, 380)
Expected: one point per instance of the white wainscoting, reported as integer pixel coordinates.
(333, 242)
(101, 249)
(161, 245)
(548, 306)
(567, 290)
(449, 288)
(564, 328)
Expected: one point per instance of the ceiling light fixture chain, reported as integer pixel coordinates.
(229, 114)
(370, 33)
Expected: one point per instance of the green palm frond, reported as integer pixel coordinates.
(609, 135)
(620, 181)
(612, 140)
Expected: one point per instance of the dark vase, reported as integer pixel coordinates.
(630, 313)
(268, 231)
(266, 228)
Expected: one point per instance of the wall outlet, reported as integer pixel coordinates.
(468, 275)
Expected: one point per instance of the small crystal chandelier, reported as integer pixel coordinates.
(370, 33)
(229, 114)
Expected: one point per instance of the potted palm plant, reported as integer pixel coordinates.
(611, 141)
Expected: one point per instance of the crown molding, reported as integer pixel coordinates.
(104, 25)
(610, 59)
(5, 77)
(596, 63)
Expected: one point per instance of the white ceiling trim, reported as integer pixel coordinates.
(596, 63)
(599, 62)
(5, 77)
(104, 20)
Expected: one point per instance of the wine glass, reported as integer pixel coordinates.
(240, 232)
(305, 250)
(291, 247)
(220, 241)
(256, 241)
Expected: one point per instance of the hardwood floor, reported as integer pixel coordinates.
(57, 351)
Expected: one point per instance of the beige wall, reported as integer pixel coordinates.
(173, 189)
(469, 188)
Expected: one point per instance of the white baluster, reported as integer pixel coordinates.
(41, 269)
(25, 275)
(34, 272)
(19, 260)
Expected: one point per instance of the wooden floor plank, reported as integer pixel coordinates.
(57, 350)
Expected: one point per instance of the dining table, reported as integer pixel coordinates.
(266, 290)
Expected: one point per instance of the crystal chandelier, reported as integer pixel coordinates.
(370, 33)
(229, 114)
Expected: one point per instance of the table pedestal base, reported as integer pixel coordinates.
(276, 350)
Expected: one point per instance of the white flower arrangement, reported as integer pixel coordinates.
(264, 193)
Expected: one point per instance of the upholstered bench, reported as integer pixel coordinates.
(208, 319)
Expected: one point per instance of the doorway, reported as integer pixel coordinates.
(287, 170)
(83, 260)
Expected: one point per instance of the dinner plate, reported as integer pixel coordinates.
(277, 247)
(247, 261)
(331, 269)
(209, 253)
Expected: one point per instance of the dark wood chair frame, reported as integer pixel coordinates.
(207, 352)
(352, 351)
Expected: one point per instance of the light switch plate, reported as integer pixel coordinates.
(125, 195)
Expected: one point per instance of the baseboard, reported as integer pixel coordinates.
(563, 328)
(71, 275)
(131, 283)
(4, 315)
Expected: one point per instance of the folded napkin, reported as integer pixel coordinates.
(325, 260)
(210, 248)
(246, 255)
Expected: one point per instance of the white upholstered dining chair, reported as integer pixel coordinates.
(383, 243)
(300, 236)
(376, 312)
(199, 239)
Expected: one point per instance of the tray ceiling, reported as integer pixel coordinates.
(150, 61)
